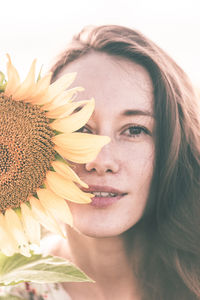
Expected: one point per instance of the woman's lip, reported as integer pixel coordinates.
(102, 188)
(103, 202)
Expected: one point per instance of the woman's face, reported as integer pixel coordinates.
(121, 174)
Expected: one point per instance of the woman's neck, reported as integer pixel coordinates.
(98, 256)
(105, 260)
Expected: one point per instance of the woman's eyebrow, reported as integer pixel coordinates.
(137, 112)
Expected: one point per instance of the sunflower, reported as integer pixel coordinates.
(38, 140)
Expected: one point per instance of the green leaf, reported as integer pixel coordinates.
(3, 82)
(38, 78)
(2, 78)
(39, 269)
(11, 297)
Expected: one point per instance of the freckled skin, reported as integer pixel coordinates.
(126, 163)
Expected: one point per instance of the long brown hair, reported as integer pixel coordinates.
(170, 268)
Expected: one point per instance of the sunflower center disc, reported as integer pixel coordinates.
(26, 151)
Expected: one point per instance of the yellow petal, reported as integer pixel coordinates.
(64, 170)
(65, 110)
(66, 188)
(44, 217)
(13, 78)
(63, 98)
(58, 100)
(31, 226)
(41, 89)
(7, 244)
(15, 227)
(55, 205)
(79, 147)
(76, 120)
(25, 90)
(56, 88)
(62, 83)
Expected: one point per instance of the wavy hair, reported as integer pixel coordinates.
(170, 264)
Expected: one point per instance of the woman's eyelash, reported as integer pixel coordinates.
(84, 129)
(133, 130)
(136, 130)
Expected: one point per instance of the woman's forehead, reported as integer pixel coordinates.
(113, 81)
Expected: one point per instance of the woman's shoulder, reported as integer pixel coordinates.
(35, 291)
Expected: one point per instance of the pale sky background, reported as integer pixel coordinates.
(42, 28)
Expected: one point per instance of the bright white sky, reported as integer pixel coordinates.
(41, 28)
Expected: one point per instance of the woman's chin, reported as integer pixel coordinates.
(100, 229)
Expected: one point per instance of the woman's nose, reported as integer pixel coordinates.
(105, 161)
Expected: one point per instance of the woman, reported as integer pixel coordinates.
(139, 239)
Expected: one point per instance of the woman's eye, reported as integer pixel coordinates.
(135, 131)
(84, 130)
